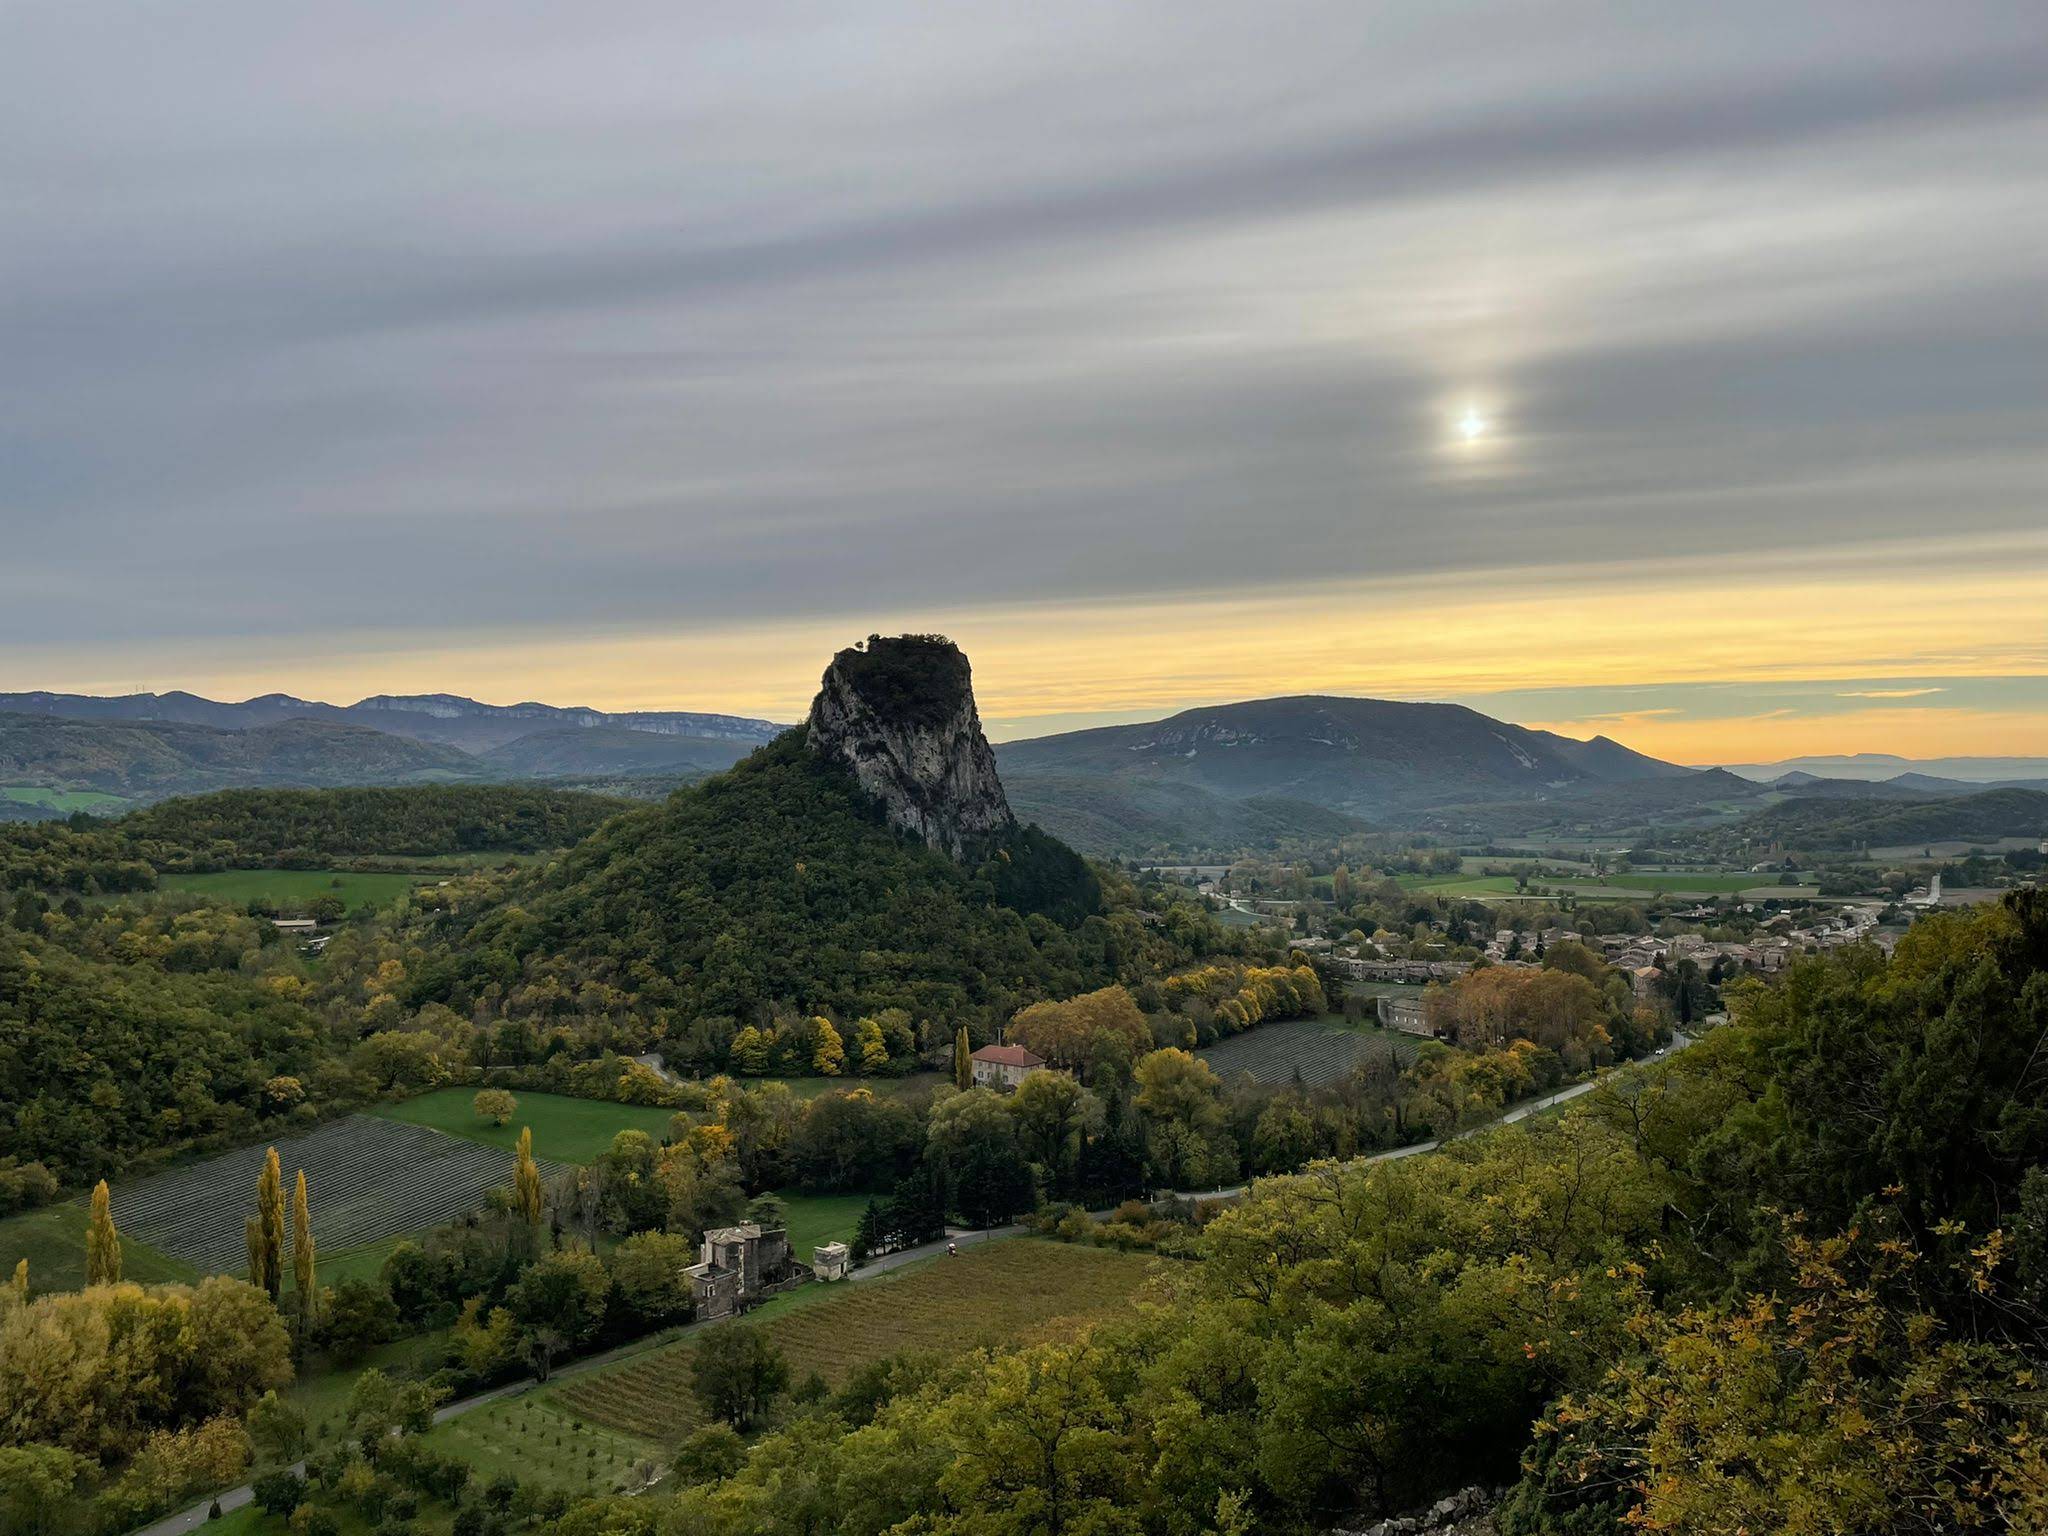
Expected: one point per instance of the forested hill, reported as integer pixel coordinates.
(270, 824)
(1811, 823)
(146, 758)
(776, 885)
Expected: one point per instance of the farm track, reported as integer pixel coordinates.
(366, 1178)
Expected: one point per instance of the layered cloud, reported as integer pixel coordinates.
(633, 353)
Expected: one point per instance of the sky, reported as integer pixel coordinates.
(1678, 373)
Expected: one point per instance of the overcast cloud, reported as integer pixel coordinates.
(346, 320)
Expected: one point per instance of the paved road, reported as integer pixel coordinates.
(234, 1498)
(1679, 1041)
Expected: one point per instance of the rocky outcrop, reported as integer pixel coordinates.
(1469, 1512)
(899, 714)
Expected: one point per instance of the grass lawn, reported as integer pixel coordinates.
(53, 1242)
(815, 1219)
(289, 889)
(564, 1129)
(61, 799)
(1018, 1290)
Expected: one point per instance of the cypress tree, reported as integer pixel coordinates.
(21, 1281)
(963, 1063)
(526, 1179)
(270, 1212)
(102, 1242)
(302, 1252)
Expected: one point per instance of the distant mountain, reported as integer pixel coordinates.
(1881, 766)
(439, 717)
(1363, 757)
(148, 759)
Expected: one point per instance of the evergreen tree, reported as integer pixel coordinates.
(270, 1213)
(102, 1242)
(302, 1253)
(963, 1063)
(867, 1234)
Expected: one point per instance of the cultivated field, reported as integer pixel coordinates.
(565, 1130)
(1318, 1050)
(289, 889)
(367, 1179)
(537, 1440)
(1018, 1290)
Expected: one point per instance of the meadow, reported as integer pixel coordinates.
(287, 890)
(565, 1130)
(53, 1241)
(1016, 1290)
(61, 799)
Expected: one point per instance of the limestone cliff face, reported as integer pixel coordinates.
(899, 714)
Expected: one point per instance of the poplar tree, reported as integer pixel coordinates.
(252, 1235)
(963, 1063)
(21, 1281)
(102, 1242)
(270, 1212)
(302, 1253)
(526, 1179)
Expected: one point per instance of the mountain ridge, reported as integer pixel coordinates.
(447, 718)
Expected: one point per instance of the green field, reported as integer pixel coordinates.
(53, 1242)
(288, 889)
(564, 1129)
(815, 1219)
(61, 799)
(1017, 1290)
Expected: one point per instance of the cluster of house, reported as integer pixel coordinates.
(1367, 968)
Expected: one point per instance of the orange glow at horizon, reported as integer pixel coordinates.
(1415, 639)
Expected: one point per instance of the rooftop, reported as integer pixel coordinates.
(1009, 1056)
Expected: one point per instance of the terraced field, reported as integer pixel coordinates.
(1319, 1050)
(366, 1179)
(1019, 1290)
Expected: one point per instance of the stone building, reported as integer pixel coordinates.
(738, 1266)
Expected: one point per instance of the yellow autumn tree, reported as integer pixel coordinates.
(270, 1218)
(302, 1253)
(830, 1055)
(102, 1242)
(526, 1180)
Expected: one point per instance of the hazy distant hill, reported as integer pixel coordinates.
(150, 759)
(1978, 772)
(1364, 757)
(605, 750)
(439, 717)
